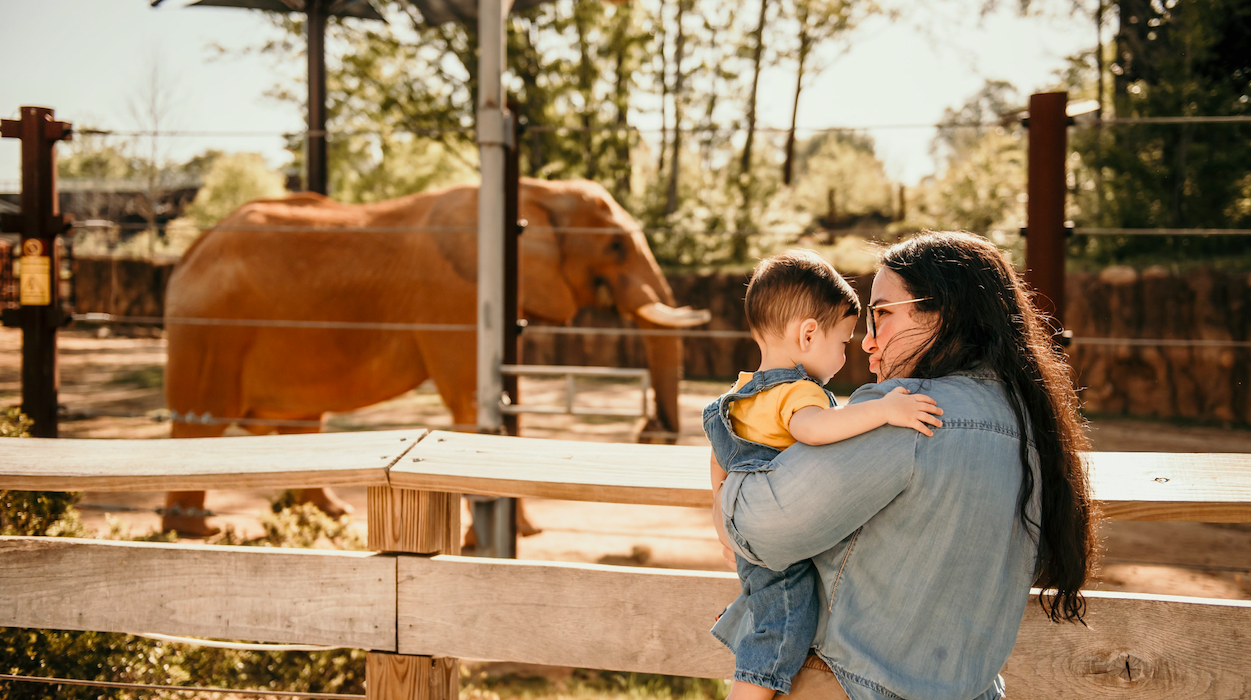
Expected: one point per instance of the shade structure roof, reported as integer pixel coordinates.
(363, 9)
(463, 11)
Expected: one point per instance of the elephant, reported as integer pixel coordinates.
(283, 259)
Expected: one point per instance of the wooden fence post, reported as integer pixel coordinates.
(412, 522)
(39, 223)
(1045, 187)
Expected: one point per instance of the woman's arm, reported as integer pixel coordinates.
(815, 496)
(718, 476)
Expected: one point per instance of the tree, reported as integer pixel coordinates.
(816, 23)
(232, 181)
(153, 108)
(981, 182)
(843, 164)
(1172, 59)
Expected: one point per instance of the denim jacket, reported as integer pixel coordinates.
(735, 453)
(924, 564)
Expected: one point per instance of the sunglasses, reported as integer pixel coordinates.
(871, 319)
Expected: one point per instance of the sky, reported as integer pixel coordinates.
(896, 73)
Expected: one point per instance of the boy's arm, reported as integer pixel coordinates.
(820, 426)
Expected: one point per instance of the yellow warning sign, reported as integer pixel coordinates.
(36, 280)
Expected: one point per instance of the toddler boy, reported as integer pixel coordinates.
(801, 313)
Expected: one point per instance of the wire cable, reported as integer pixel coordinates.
(1176, 120)
(1081, 231)
(262, 323)
(177, 688)
(1162, 342)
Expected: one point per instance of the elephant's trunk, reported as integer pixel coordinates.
(664, 363)
(651, 305)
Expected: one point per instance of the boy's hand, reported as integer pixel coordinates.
(908, 410)
(728, 555)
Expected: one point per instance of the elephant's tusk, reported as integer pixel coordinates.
(665, 315)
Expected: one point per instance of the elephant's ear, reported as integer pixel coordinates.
(544, 291)
(569, 204)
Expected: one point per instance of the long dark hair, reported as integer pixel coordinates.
(986, 321)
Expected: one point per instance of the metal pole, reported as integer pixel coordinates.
(315, 141)
(492, 143)
(1044, 247)
(512, 265)
(494, 138)
(40, 223)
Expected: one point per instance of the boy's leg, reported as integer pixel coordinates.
(782, 609)
(742, 690)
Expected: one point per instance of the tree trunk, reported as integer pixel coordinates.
(675, 161)
(739, 248)
(757, 56)
(586, 86)
(664, 93)
(621, 102)
(788, 167)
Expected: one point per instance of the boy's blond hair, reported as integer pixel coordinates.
(797, 284)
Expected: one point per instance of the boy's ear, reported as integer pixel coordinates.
(807, 329)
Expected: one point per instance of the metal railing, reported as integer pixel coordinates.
(571, 374)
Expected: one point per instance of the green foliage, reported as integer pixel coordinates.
(980, 185)
(1170, 59)
(582, 74)
(14, 423)
(586, 684)
(231, 181)
(96, 157)
(847, 164)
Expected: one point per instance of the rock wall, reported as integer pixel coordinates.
(1202, 383)
(120, 287)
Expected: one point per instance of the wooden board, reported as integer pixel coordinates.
(493, 465)
(1211, 488)
(238, 593)
(402, 677)
(583, 615)
(1127, 485)
(277, 461)
(1137, 646)
(657, 621)
(414, 522)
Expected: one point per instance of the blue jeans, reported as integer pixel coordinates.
(770, 627)
(781, 611)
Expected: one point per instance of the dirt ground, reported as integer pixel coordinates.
(111, 388)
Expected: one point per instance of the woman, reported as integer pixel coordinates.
(926, 547)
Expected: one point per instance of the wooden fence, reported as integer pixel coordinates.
(418, 607)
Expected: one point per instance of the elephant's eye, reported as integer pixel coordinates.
(617, 249)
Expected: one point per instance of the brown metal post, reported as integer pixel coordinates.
(506, 524)
(40, 223)
(315, 141)
(1044, 247)
(512, 265)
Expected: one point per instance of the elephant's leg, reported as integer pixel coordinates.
(183, 512)
(324, 498)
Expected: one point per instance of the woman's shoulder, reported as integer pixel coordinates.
(969, 400)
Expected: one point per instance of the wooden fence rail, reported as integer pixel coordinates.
(418, 607)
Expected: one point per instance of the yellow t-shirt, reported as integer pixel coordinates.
(766, 417)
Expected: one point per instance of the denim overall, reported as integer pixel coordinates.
(779, 609)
